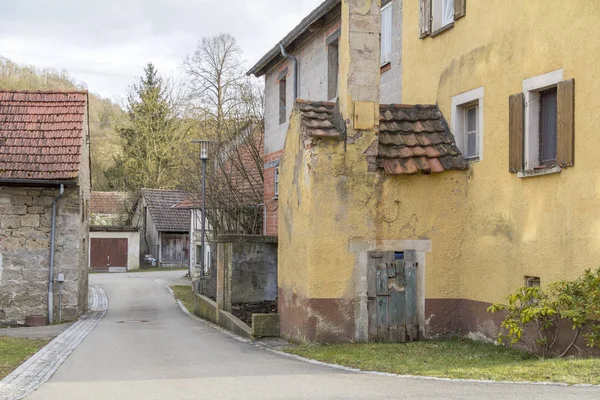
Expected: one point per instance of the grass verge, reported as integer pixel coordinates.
(185, 294)
(14, 351)
(455, 358)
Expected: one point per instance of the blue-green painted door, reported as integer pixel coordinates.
(394, 305)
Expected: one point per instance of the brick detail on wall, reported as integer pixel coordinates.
(271, 204)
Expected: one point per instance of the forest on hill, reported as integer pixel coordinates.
(105, 115)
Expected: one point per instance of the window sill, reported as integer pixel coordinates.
(276, 198)
(472, 160)
(541, 171)
(442, 30)
(385, 67)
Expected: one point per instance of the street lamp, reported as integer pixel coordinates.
(204, 147)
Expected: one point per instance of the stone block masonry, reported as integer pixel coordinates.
(25, 224)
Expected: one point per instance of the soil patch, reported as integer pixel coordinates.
(244, 311)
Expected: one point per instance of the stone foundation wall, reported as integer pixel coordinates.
(25, 221)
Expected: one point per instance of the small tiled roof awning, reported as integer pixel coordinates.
(41, 134)
(412, 138)
(416, 139)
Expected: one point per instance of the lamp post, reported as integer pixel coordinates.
(204, 146)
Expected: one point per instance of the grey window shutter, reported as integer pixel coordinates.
(460, 7)
(516, 126)
(424, 18)
(565, 147)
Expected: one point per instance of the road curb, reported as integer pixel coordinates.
(38, 369)
(360, 371)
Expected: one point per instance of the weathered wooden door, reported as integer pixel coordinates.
(108, 253)
(392, 298)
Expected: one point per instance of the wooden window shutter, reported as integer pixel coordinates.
(460, 7)
(424, 18)
(565, 144)
(516, 126)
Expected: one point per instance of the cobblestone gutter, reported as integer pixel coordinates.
(39, 368)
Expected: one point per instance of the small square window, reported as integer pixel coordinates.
(532, 281)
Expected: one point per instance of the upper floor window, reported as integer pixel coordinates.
(542, 125)
(467, 123)
(386, 34)
(442, 14)
(333, 64)
(435, 16)
(282, 101)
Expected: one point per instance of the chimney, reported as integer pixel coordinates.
(359, 63)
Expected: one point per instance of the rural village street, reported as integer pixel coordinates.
(172, 356)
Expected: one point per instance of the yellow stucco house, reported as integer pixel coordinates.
(407, 221)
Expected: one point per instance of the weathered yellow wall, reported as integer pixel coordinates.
(546, 226)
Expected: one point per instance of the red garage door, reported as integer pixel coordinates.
(108, 254)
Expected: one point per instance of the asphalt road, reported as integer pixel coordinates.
(172, 356)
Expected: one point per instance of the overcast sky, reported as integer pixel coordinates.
(106, 43)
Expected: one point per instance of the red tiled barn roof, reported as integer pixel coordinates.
(109, 202)
(41, 134)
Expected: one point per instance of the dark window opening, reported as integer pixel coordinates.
(548, 125)
(282, 101)
(532, 281)
(333, 68)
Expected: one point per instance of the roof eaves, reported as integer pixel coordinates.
(319, 12)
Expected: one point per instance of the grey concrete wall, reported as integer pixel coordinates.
(246, 269)
(254, 272)
(25, 248)
(312, 57)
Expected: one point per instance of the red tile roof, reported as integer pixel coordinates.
(412, 138)
(41, 134)
(109, 202)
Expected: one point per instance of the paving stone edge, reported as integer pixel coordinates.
(38, 369)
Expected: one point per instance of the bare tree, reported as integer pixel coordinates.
(229, 110)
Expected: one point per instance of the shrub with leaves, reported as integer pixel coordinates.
(541, 314)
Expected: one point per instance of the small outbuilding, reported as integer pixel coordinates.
(164, 228)
(114, 243)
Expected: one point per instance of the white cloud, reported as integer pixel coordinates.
(106, 43)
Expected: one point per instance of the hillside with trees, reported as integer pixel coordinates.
(104, 116)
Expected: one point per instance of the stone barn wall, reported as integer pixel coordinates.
(25, 223)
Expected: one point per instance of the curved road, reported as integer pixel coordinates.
(173, 357)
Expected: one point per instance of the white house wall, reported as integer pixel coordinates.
(133, 246)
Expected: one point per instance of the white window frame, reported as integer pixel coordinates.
(386, 33)
(438, 8)
(531, 91)
(460, 103)
(276, 188)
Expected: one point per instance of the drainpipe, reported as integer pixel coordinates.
(295, 61)
(51, 275)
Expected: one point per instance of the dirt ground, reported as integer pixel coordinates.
(244, 311)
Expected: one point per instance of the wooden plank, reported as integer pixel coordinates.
(412, 323)
(424, 18)
(372, 261)
(516, 126)
(382, 281)
(383, 323)
(565, 147)
(460, 7)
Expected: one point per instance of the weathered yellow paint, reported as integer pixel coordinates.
(507, 227)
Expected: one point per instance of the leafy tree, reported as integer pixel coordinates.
(534, 316)
(153, 137)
